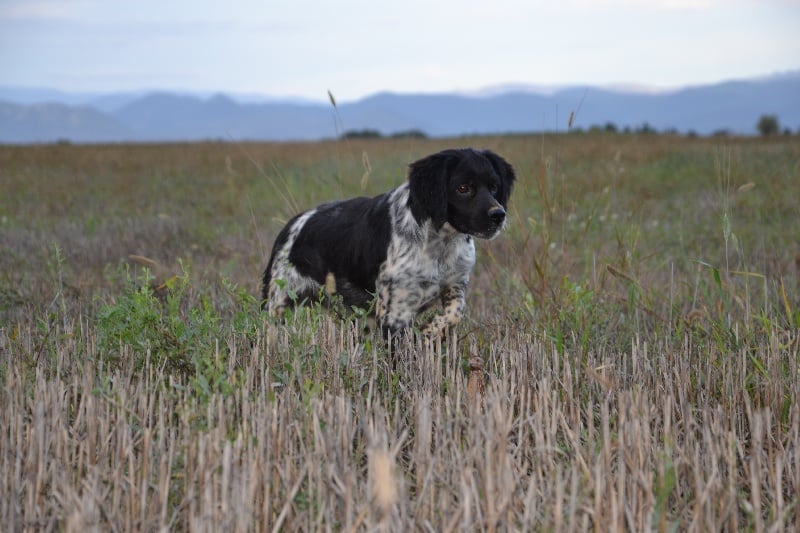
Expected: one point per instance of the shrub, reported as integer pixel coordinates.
(410, 134)
(768, 125)
(362, 134)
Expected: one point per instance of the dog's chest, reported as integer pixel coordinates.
(432, 264)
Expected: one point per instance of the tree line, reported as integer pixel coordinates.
(767, 125)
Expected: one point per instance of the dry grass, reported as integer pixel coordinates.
(646, 439)
(612, 374)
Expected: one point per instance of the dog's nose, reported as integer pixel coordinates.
(497, 214)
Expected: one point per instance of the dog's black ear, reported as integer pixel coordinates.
(427, 182)
(506, 173)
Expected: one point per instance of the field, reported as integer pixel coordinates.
(630, 358)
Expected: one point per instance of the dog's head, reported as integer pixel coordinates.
(465, 188)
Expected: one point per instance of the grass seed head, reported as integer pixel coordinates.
(382, 480)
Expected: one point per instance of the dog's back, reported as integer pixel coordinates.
(344, 241)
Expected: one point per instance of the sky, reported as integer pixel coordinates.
(353, 48)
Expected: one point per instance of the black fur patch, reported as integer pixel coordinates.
(348, 239)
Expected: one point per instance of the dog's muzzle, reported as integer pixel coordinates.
(497, 215)
(495, 220)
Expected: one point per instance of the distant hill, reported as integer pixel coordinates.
(41, 123)
(166, 117)
(40, 115)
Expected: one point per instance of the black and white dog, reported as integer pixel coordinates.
(405, 248)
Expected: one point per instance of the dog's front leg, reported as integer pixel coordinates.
(453, 303)
(395, 307)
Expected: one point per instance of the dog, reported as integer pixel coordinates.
(402, 250)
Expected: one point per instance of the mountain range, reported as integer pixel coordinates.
(42, 115)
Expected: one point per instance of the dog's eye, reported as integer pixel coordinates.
(464, 189)
(493, 188)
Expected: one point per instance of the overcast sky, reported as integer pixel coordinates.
(353, 48)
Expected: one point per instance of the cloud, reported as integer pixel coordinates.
(651, 5)
(356, 47)
(36, 9)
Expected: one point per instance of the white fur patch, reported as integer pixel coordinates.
(285, 274)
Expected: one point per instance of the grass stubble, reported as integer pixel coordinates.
(629, 361)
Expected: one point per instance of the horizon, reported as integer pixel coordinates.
(731, 106)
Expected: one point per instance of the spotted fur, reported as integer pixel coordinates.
(409, 249)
